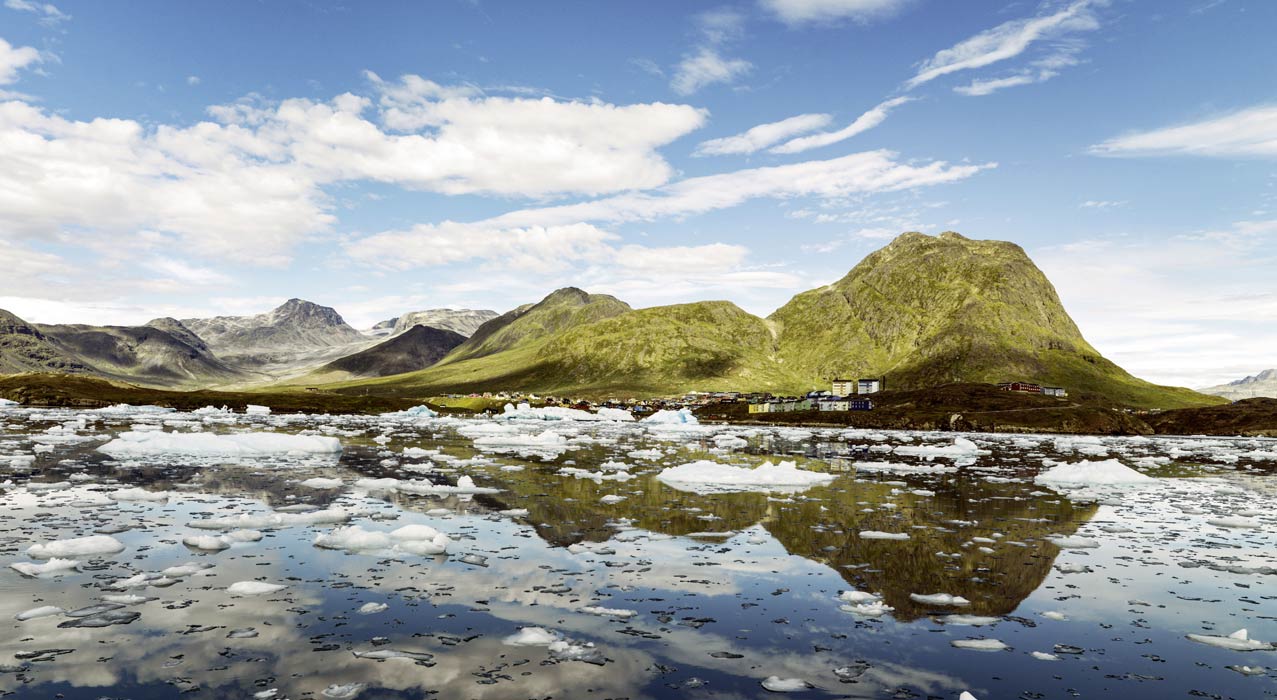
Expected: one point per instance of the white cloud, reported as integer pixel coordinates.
(192, 80)
(1243, 134)
(1006, 41)
(863, 123)
(15, 58)
(1195, 310)
(706, 67)
(795, 12)
(49, 14)
(978, 88)
(532, 248)
(855, 174)
(762, 136)
(1101, 204)
(249, 186)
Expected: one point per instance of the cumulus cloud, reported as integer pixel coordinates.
(796, 12)
(1247, 133)
(248, 185)
(13, 59)
(762, 136)
(863, 123)
(1006, 41)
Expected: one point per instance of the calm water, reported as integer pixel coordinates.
(654, 592)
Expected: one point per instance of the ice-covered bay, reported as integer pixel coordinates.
(391, 557)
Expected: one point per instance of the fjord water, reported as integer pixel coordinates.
(572, 570)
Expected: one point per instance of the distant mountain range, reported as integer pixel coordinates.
(462, 321)
(920, 312)
(1263, 384)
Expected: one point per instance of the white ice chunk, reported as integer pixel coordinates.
(76, 547)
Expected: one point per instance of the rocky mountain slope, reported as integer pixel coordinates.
(1260, 385)
(147, 355)
(296, 336)
(462, 321)
(144, 355)
(923, 311)
(418, 348)
(24, 348)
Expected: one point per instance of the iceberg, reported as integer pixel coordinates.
(1109, 472)
(144, 444)
(76, 547)
(682, 416)
(705, 475)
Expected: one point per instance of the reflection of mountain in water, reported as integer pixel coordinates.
(823, 524)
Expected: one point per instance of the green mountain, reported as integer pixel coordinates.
(24, 348)
(925, 311)
(921, 312)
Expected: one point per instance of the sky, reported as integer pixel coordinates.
(197, 159)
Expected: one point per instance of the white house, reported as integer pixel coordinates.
(844, 387)
(869, 386)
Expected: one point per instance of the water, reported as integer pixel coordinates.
(664, 593)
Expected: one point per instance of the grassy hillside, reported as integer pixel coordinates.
(929, 310)
(561, 310)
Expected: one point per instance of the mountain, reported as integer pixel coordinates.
(24, 348)
(1263, 384)
(926, 310)
(923, 311)
(291, 338)
(419, 348)
(532, 323)
(462, 321)
(144, 355)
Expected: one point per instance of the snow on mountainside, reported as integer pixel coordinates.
(1263, 384)
(462, 321)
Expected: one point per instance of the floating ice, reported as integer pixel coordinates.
(330, 516)
(776, 684)
(979, 644)
(422, 411)
(343, 691)
(609, 612)
(1073, 542)
(682, 416)
(372, 608)
(421, 540)
(876, 535)
(208, 543)
(52, 567)
(42, 611)
(704, 476)
(1237, 641)
(1235, 522)
(76, 547)
(320, 482)
(1110, 472)
(142, 444)
(531, 637)
(249, 588)
(254, 410)
(939, 599)
(136, 494)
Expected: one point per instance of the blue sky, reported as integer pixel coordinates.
(184, 159)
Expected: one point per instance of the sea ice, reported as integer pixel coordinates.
(1237, 641)
(248, 588)
(142, 444)
(979, 644)
(705, 475)
(531, 637)
(939, 599)
(682, 416)
(76, 547)
(776, 684)
(1109, 472)
(52, 567)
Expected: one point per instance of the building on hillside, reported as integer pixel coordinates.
(1056, 391)
(870, 386)
(761, 407)
(1022, 387)
(860, 403)
(843, 387)
(833, 403)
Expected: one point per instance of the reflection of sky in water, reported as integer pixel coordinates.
(755, 600)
